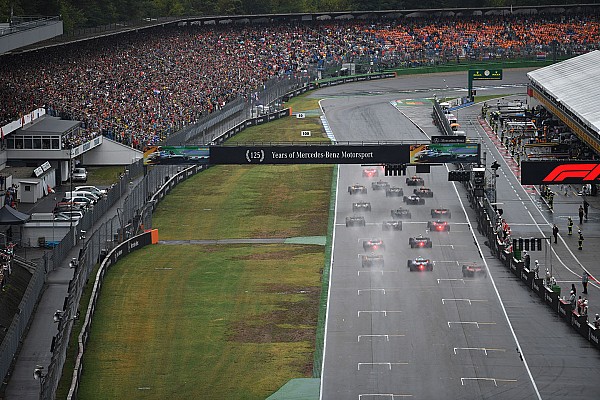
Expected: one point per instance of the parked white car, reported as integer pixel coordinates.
(92, 189)
(68, 216)
(79, 175)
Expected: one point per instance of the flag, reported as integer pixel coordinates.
(156, 91)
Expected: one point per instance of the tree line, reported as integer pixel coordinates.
(91, 13)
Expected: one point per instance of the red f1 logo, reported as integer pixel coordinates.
(587, 172)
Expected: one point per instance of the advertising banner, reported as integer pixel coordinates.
(485, 74)
(559, 172)
(444, 153)
(335, 154)
(169, 155)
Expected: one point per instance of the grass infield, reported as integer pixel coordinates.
(204, 322)
(217, 322)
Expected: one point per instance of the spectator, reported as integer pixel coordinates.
(597, 322)
(139, 87)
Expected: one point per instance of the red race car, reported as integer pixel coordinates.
(438, 226)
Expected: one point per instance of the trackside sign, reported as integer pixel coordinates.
(338, 154)
(553, 172)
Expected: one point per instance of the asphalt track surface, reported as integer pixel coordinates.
(392, 333)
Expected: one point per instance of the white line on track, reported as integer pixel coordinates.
(388, 364)
(512, 331)
(476, 323)
(386, 336)
(495, 380)
(390, 396)
(371, 290)
(470, 301)
(337, 191)
(484, 349)
(384, 312)
(533, 201)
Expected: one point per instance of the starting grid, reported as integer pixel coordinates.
(389, 338)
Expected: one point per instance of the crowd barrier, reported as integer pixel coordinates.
(130, 245)
(142, 197)
(549, 295)
(112, 258)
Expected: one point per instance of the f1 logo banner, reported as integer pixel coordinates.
(320, 154)
(558, 172)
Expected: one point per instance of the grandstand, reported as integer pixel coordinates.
(140, 88)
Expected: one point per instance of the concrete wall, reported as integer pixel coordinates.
(24, 38)
(111, 153)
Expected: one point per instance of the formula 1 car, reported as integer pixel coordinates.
(373, 244)
(440, 213)
(420, 264)
(401, 213)
(380, 185)
(438, 225)
(423, 192)
(391, 226)
(413, 199)
(415, 181)
(370, 173)
(471, 270)
(357, 189)
(361, 206)
(420, 242)
(355, 221)
(372, 260)
(394, 192)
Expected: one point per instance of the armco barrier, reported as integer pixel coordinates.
(547, 295)
(594, 335)
(115, 255)
(579, 322)
(564, 309)
(527, 276)
(551, 298)
(538, 287)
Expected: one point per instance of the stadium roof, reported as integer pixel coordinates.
(48, 125)
(575, 84)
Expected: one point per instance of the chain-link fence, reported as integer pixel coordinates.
(264, 100)
(133, 214)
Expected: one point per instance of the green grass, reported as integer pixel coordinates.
(479, 99)
(282, 130)
(463, 66)
(218, 322)
(67, 372)
(303, 103)
(227, 322)
(247, 201)
(103, 176)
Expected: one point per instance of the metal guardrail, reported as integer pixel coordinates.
(550, 295)
(20, 24)
(12, 339)
(110, 259)
(135, 212)
(440, 118)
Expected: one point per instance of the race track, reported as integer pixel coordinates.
(392, 333)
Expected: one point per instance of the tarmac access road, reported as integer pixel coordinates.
(392, 333)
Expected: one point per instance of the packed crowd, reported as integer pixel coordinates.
(139, 87)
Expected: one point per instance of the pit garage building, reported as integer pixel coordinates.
(571, 91)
